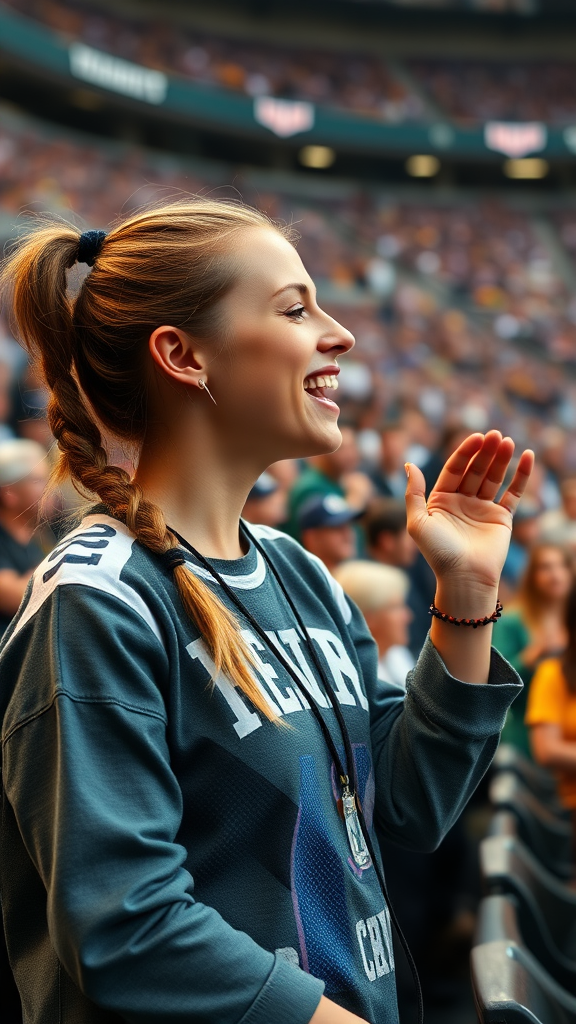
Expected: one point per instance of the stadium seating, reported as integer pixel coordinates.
(547, 836)
(539, 781)
(546, 908)
(511, 987)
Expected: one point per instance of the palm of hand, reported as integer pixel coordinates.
(464, 535)
(462, 532)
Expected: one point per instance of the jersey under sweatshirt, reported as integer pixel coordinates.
(170, 855)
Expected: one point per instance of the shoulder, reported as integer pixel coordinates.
(280, 547)
(99, 556)
(547, 694)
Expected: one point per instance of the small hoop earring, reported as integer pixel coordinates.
(203, 385)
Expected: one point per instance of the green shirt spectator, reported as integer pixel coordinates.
(534, 629)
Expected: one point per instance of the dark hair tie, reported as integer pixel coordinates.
(89, 245)
(172, 558)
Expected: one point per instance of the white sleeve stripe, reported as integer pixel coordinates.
(99, 571)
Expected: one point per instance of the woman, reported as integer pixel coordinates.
(380, 592)
(535, 628)
(194, 738)
(551, 712)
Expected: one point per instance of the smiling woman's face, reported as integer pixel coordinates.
(278, 342)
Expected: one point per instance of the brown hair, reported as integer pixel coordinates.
(384, 515)
(528, 599)
(167, 265)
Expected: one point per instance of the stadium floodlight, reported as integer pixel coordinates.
(528, 167)
(319, 157)
(422, 165)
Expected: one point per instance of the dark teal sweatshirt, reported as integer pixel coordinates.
(169, 855)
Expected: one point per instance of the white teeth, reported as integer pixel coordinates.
(321, 382)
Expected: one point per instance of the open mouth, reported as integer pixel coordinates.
(317, 386)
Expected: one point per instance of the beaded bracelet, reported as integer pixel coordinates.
(433, 610)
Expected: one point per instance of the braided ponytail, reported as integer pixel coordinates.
(88, 353)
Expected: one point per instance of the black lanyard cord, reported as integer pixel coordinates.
(352, 763)
(346, 777)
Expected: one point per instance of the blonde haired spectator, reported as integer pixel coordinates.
(380, 592)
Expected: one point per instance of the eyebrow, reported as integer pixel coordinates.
(302, 288)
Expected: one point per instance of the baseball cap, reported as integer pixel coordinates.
(326, 510)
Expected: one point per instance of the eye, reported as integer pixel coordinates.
(297, 313)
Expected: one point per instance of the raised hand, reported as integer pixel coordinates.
(464, 535)
(462, 532)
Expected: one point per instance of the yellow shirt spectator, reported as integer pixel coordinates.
(550, 702)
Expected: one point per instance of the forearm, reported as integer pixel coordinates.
(432, 748)
(464, 650)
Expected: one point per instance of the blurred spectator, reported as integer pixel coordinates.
(389, 478)
(525, 531)
(23, 478)
(534, 628)
(380, 593)
(6, 432)
(266, 502)
(389, 543)
(551, 712)
(471, 91)
(452, 437)
(559, 525)
(326, 530)
(324, 474)
(286, 472)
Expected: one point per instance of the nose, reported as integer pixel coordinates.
(336, 338)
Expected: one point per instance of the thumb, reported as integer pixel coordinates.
(415, 496)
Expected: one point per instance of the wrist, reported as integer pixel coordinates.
(463, 600)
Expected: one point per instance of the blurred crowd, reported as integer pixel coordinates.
(360, 82)
(470, 91)
(473, 91)
(459, 312)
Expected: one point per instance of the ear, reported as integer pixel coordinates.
(177, 355)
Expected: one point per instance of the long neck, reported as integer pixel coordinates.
(200, 489)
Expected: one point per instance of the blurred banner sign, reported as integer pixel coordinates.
(514, 139)
(118, 75)
(283, 117)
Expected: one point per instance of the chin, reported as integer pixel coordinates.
(314, 440)
(326, 440)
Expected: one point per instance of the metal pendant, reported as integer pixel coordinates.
(356, 839)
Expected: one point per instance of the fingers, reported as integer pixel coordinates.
(455, 467)
(516, 489)
(415, 495)
(487, 469)
(497, 470)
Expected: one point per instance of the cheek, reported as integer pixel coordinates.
(264, 373)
